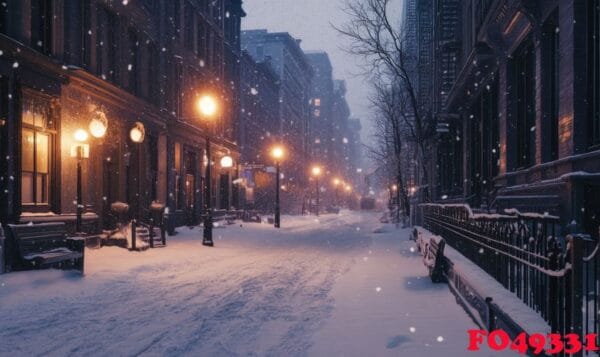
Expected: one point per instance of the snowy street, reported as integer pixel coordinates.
(326, 287)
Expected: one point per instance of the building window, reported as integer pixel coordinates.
(86, 34)
(37, 138)
(41, 25)
(3, 17)
(177, 89)
(152, 77)
(110, 45)
(522, 95)
(594, 73)
(550, 87)
(201, 50)
(151, 5)
(132, 66)
(317, 113)
(178, 178)
(189, 25)
(317, 102)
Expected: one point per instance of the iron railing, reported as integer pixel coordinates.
(555, 276)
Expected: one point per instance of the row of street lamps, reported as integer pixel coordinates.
(277, 153)
(208, 109)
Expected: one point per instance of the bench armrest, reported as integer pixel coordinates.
(76, 244)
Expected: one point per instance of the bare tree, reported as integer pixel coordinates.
(376, 38)
(387, 100)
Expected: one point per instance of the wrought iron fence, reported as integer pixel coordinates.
(555, 276)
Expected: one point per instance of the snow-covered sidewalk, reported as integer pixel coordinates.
(315, 287)
(386, 305)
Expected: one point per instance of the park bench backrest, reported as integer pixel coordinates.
(34, 238)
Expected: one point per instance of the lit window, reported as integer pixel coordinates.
(317, 113)
(317, 102)
(36, 155)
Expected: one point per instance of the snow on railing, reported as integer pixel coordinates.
(526, 253)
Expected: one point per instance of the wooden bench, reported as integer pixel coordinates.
(45, 245)
(435, 261)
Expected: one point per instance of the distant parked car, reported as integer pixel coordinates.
(332, 209)
(367, 203)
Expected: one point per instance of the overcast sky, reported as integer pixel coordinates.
(309, 20)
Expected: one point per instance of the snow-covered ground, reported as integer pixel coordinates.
(326, 287)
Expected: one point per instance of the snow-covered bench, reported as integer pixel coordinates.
(432, 249)
(434, 259)
(45, 245)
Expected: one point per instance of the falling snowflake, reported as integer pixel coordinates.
(412, 329)
(253, 91)
(440, 339)
(378, 289)
(129, 67)
(16, 65)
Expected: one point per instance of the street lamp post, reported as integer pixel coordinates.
(336, 184)
(80, 151)
(208, 219)
(137, 135)
(277, 154)
(316, 171)
(207, 106)
(227, 163)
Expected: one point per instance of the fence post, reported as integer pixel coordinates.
(133, 231)
(553, 287)
(491, 318)
(575, 293)
(152, 235)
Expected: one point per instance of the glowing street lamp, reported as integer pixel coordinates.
(336, 183)
(137, 134)
(98, 124)
(207, 107)
(226, 162)
(80, 150)
(316, 172)
(277, 153)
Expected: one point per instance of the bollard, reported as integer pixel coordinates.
(133, 231)
(152, 235)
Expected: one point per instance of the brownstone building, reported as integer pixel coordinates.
(69, 65)
(525, 109)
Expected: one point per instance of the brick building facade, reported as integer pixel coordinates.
(524, 108)
(65, 64)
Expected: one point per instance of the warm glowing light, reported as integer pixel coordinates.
(80, 135)
(277, 152)
(336, 181)
(348, 188)
(98, 124)
(137, 133)
(226, 162)
(316, 171)
(207, 105)
(395, 187)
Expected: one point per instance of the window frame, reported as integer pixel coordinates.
(523, 98)
(34, 98)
